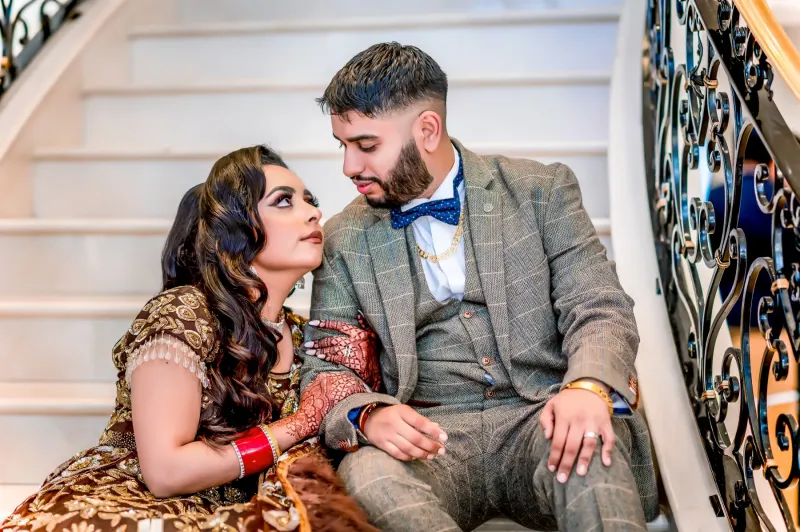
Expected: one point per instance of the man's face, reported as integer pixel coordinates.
(381, 157)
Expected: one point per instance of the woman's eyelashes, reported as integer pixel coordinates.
(285, 200)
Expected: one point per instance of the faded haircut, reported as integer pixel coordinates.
(383, 79)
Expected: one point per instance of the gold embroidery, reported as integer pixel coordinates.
(102, 488)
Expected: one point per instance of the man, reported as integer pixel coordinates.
(508, 342)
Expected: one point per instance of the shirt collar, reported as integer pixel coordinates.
(445, 190)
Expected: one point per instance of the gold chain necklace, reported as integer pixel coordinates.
(433, 258)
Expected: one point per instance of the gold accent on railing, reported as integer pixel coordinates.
(770, 35)
(780, 284)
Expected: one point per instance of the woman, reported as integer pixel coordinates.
(208, 377)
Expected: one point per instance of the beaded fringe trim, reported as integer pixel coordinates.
(166, 347)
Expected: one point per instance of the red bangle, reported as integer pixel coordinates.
(254, 452)
(364, 414)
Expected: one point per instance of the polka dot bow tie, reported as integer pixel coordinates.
(444, 210)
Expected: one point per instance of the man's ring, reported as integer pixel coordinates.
(591, 435)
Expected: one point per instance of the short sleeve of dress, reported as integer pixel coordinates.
(176, 325)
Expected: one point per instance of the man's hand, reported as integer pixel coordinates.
(566, 418)
(401, 432)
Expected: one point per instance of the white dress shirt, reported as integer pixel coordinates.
(446, 278)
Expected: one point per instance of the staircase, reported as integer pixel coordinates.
(528, 78)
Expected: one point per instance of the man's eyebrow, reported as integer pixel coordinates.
(357, 138)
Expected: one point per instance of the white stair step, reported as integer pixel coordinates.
(13, 494)
(237, 10)
(92, 263)
(464, 44)
(128, 183)
(571, 107)
(45, 424)
(70, 339)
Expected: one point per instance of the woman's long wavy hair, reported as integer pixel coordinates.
(230, 235)
(178, 259)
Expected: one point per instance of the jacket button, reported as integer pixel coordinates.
(490, 394)
(486, 361)
(468, 314)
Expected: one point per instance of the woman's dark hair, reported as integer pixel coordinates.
(230, 235)
(179, 260)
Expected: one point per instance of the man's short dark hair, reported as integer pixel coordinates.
(384, 78)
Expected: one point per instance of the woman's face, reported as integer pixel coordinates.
(291, 221)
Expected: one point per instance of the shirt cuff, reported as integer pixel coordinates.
(353, 416)
(621, 406)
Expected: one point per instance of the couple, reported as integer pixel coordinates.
(506, 346)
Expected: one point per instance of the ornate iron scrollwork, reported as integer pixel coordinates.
(17, 45)
(710, 122)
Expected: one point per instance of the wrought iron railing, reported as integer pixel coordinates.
(20, 43)
(723, 166)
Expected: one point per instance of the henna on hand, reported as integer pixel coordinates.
(357, 351)
(319, 397)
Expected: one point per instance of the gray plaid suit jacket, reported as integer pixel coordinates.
(554, 299)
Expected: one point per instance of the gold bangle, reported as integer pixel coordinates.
(594, 388)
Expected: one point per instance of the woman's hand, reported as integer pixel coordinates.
(357, 350)
(318, 398)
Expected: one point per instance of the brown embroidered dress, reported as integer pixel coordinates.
(102, 488)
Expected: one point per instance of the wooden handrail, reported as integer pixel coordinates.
(770, 35)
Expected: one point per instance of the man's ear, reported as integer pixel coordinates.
(430, 130)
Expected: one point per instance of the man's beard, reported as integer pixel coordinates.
(406, 181)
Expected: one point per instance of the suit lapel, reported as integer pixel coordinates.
(393, 275)
(485, 214)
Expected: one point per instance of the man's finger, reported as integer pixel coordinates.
(588, 445)
(609, 439)
(409, 448)
(393, 451)
(557, 443)
(546, 420)
(416, 438)
(572, 447)
(424, 425)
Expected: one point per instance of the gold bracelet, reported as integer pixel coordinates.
(592, 387)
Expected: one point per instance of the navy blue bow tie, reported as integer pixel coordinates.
(444, 210)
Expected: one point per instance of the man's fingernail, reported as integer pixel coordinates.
(552, 468)
(442, 437)
(313, 323)
(311, 351)
(562, 477)
(442, 450)
(431, 456)
(581, 469)
(308, 344)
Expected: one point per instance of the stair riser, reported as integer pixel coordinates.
(33, 446)
(235, 10)
(153, 188)
(72, 265)
(315, 56)
(488, 114)
(60, 349)
(80, 264)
